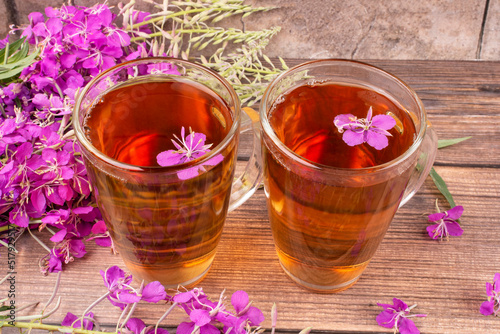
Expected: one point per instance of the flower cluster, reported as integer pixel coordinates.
(371, 130)
(204, 315)
(43, 181)
(492, 305)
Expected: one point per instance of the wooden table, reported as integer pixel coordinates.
(446, 279)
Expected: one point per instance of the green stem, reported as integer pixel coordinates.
(54, 328)
(4, 228)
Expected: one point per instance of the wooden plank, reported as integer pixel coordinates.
(446, 279)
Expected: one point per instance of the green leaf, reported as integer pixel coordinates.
(442, 187)
(4, 308)
(13, 47)
(8, 71)
(448, 142)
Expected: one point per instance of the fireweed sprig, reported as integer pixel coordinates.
(43, 181)
(180, 28)
(204, 315)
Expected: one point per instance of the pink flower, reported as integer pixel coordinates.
(446, 223)
(365, 130)
(492, 305)
(396, 316)
(189, 148)
(71, 320)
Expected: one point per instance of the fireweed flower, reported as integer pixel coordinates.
(396, 316)
(205, 315)
(137, 326)
(446, 223)
(71, 320)
(42, 175)
(122, 293)
(365, 130)
(492, 305)
(189, 148)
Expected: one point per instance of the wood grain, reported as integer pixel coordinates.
(446, 279)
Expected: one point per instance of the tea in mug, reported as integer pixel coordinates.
(325, 230)
(165, 228)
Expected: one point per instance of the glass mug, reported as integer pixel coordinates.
(329, 203)
(166, 221)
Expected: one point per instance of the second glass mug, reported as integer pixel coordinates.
(165, 222)
(328, 220)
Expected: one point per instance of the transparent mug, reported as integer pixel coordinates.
(165, 222)
(327, 221)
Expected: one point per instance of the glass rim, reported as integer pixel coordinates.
(268, 130)
(85, 142)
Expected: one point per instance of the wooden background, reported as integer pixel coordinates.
(446, 279)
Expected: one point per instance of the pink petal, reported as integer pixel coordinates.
(154, 292)
(215, 160)
(240, 300)
(200, 317)
(255, 316)
(188, 173)
(407, 326)
(384, 122)
(376, 140)
(436, 217)
(455, 212)
(352, 138)
(369, 114)
(183, 297)
(343, 119)
(136, 325)
(454, 229)
(185, 328)
(386, 319)
(168, 158)
(69, 319)
(59, 236)
(128, 298)
(103, 242)
(399, 304)
(489, 289)
(432, 231)
(38, 200)
(210, 329)
(487, 307)
(99, 227)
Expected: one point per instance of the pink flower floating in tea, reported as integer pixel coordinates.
(396, 316)
(492, 305)
(189, 148)
(371, 130)
(446, 223)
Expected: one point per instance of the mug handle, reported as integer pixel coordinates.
(428, 152)
(247, 183)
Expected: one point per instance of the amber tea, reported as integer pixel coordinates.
(327, 226)
(165, 228)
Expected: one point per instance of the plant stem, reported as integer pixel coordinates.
(33, 325)
(195, 31)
